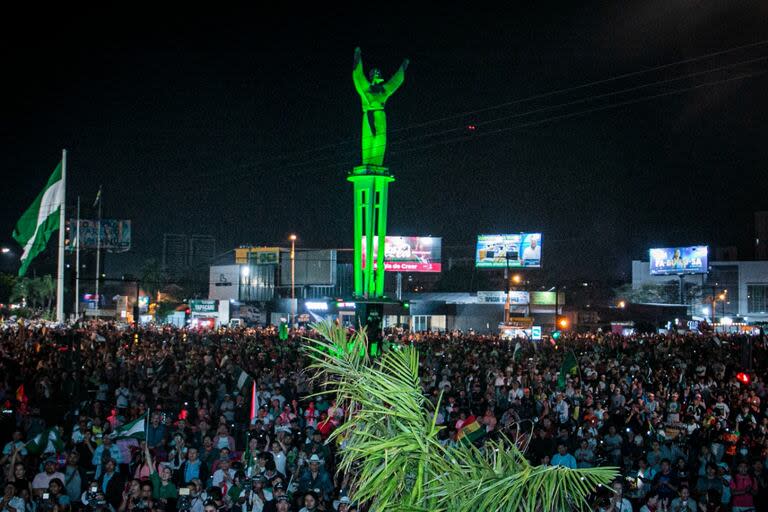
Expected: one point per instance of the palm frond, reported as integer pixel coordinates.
(391, 448)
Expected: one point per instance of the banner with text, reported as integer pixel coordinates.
(409, 253)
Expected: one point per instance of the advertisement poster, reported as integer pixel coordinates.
(514, 251)
(409, 253)
(679, 260)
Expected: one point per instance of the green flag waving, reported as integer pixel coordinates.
(48, 441)
(136, 429)
(35, 227)
(570, 367)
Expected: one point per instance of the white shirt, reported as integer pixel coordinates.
(218, 477)
(532, 254)
(254, 503)
(280, 461)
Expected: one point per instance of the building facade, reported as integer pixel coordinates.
(734, 289)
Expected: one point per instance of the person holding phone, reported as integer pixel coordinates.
(131, 495)
(684, 502)
(56, 494)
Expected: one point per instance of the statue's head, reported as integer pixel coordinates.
(375, 76)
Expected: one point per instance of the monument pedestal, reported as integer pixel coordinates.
(371, 193)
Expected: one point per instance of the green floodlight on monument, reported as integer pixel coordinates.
(371, 179)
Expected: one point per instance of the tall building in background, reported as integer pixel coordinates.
(202, 250)
(761, 235)
(175, 254)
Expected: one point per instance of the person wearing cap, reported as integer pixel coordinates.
(257, 497)
(342, 504)
(279, 491)
(43, 479)
(315, 479)
(283, 504)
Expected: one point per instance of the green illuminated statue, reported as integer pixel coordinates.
(374, 94)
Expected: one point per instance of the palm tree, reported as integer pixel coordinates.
(391, 446)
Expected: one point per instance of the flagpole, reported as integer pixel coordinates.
(62, 215)
(98, 252)
(77, 263)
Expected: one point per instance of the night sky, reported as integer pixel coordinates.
(242, 125)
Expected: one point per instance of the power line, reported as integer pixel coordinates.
(346, 142)
(531, 98)
(340, 164)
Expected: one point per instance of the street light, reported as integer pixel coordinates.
(622, 304)
(5, 250)
(292, 238)
(516, 279)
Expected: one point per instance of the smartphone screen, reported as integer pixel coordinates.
(46, 495)
(94, 488)
(184, 491)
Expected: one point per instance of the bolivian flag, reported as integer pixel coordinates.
(471, 431)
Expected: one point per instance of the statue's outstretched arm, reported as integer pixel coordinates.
(358, 76)
(397, 79)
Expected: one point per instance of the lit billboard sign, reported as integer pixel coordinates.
(115, 234)
(515, 251)
(666, 261)
(409, 253)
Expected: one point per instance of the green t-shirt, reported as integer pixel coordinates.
(160, 491)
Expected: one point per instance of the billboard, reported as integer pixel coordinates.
(666, 261)
(409, 253)
(498, 251)
(313, 267)
(115, 234)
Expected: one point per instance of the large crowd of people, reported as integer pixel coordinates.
(684, 416)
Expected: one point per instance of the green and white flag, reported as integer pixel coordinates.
(36, 225)
(48, 441)
(518, 353)
(570, 366)
(243, 379)
(136, 429)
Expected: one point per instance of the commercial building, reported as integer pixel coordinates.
(737, 289)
